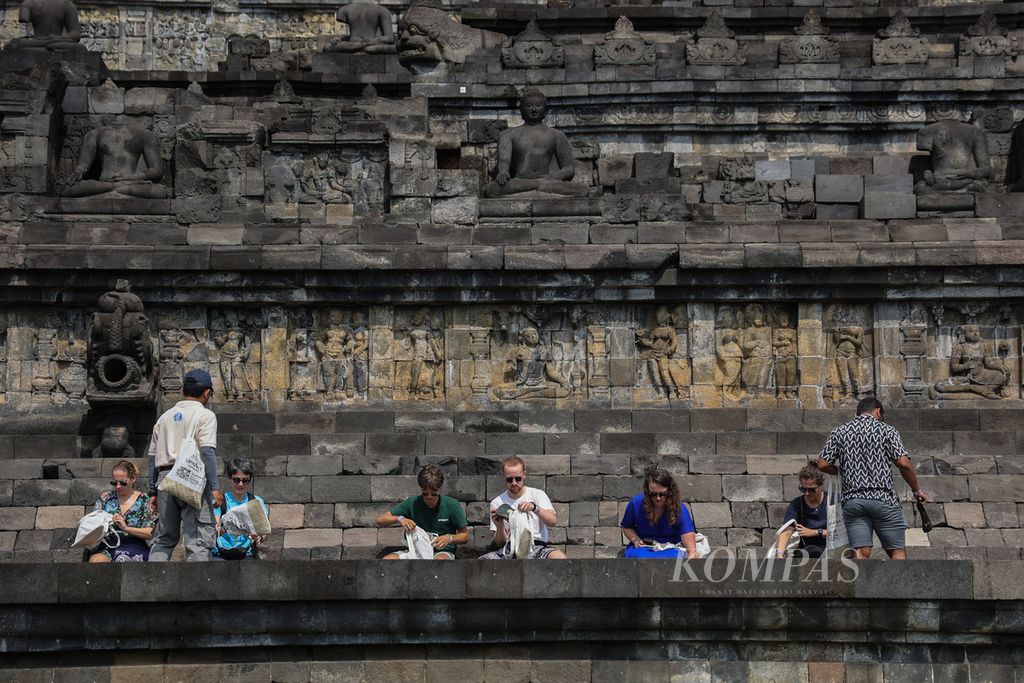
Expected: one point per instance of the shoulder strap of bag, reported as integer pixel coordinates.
(193, 426)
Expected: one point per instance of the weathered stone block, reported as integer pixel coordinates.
(838, 188)
(879, 204)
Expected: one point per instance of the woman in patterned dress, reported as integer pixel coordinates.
(133, 522)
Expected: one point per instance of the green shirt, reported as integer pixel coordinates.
(446, 518)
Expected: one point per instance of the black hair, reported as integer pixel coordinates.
(243, 465)
(193, 391)
(868, 404)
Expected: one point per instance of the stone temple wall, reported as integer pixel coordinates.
(765, 214)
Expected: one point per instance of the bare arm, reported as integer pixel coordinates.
(690, 543)
(71, 21)
(910, 476)
(826, 468)
(782, 541)
(504, 158)
(388, 519)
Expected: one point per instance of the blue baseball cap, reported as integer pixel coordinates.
(198, 379)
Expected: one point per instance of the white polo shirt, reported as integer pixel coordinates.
(169, 431)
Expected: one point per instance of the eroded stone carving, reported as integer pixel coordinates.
(850, 348)
(811, 45)
(899, 43)
(729, 354)
(527, 153)
(531, 372)
(302, 384)
(234, 348)
(120, 351)
(428, 37)
(973, 371)
(369, 29)
(531, 49)
(659, 354)
(335, 350)
(715, 44)
(960, 158)
(118, 151)
(419, 358)
(54, 25)
(986, 38)
(785, 347)
(624, 47)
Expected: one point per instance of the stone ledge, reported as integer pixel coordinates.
(34, 584)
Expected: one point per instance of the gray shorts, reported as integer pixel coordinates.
(862, 516)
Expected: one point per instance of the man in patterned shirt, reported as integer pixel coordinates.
(864, 450)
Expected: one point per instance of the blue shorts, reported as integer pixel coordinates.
(862, 516)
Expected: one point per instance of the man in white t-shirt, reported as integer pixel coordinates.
(173, 515)
(538, 515)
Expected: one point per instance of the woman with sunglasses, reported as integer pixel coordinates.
(656, 522)
(133, 522)
(237, 546)
(807, 512)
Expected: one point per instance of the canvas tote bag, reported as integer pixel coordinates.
(187, 479)
(837, 537)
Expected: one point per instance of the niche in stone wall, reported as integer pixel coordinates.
(849, 352)
(756, 352)
(973, 351)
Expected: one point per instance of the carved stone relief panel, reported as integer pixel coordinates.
(531, 49)
(624, 47)
(973, 352)
(329, 355)
(812, 43)
(899, 43)
(663, 367)
(986, 38)
(417, 354)
(849, 346)
(756, 350)
(716, 44)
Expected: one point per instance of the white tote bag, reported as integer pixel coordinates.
(419, 545)
(93, 529)
(792, 544)
(837, 537)
(243, 520)
(187, 479)
(519, 534)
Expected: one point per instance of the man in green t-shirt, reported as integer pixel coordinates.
(439, 516)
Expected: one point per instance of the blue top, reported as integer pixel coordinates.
(812, 518)
(663, 532)
(228, 541)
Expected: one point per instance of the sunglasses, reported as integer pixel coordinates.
(509, 480)
(119, 482)
(659, 494)
(430, 494)
(807, 489)
(241, 480)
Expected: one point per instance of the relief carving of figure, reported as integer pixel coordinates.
(730, 355)
(303, 380)
(369, 29)
(335, 349)
(785, 344)
(360, 352)
(526, 154)
(54, 23)
(118, 151)
(849, 347)
(960, 158)
(531, 371)
(234, 350)
(972, 371)
(757, 349)
(72, 376)
(427, 357)
(658, 348)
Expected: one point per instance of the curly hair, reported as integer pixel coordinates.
(672, 502)
(810, 471)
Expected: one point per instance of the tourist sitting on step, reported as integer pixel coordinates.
(132, 521)
(806, 515)
(441, 518)
(520, 518)
(656, 522)
(232, 546)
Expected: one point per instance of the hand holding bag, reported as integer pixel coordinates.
(93, 529)
(837, 537)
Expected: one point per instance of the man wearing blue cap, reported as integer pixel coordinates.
(172, 514)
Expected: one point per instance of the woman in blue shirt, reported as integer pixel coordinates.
(658, 516)
(237, 546)
(808, 514)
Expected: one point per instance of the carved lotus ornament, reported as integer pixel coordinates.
(715, 44)
(624, 47)
(899, 43)
(987, 39)
(811, 44)
(531, 49)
